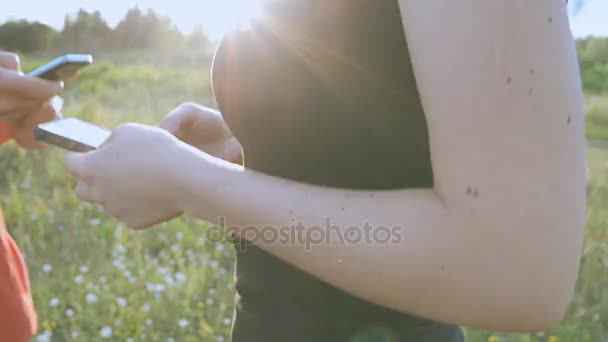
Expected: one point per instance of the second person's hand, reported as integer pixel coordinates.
(24, 102)
(205, 129)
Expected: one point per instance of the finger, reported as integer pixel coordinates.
(15, 107)
(9, 60)
(28, 86)
(86, 192)
(77, 165)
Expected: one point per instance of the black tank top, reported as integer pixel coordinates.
(322, 91)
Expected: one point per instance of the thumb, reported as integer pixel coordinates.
(78, 165)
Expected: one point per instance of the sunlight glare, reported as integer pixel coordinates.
(228, 14)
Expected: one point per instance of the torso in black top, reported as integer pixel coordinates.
(322, 91)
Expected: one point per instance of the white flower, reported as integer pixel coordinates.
(179, 235)
(596, 316)
(121, 302)
(179, 277)
(78, 279)
(162, 270)
(54, 302)
(214, 264)
(145, 307)
(209, 301)
(117, 323)
(160, 288)
(129, 340)
(227, 321)
(46, 268)
(175, 248)
(183, 323)
(150, 287)
(69, 312)
(91, 298)
(84, 269)
(220, 339)
(102, 279)
(170, 339)
(127, 273)
(148, 322)
(105, 332)
(132, 280)
(212, 292)
(44, 337)
(75, 334)
(219, 247)
(94, 222)
(169, 280)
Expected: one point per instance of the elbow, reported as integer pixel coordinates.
(532, 315)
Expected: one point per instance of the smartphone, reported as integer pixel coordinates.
(72, 134)
(63, 68)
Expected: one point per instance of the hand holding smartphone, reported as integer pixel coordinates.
(70, 134)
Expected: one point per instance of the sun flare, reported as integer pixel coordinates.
(227, 14)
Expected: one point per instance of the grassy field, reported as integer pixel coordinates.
(94, 280)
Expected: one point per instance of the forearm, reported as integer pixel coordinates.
(440, 264)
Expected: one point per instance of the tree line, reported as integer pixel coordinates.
(88, 32)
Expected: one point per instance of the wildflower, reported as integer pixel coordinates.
(180, 277)
(54, 302)
(175, 248)
(200, 305)
(91, 298)
(169, 280)
(219, 248)
(105, 332)
(94, 222)
(179, 235)
(145, 307)
(69, 312)
(183, 323)
(84, 269)
(170, 339)
(102, 279)
(117, 323)
(148, 321)
(78, 279)
(46, 268)
(227, 321)
(75, 334)
(121, 302)
(44, 337)
(209, 301)
(552, 339)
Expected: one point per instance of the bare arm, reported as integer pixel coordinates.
(496, 243)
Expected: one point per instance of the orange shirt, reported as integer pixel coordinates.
(18, 321)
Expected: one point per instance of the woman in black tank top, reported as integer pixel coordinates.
(321, 92)
(320, 98)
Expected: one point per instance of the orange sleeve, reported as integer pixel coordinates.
(4, 133)
(18, 320)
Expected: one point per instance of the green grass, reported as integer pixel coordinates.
(170, 282)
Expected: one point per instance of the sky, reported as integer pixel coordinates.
(214, 14)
